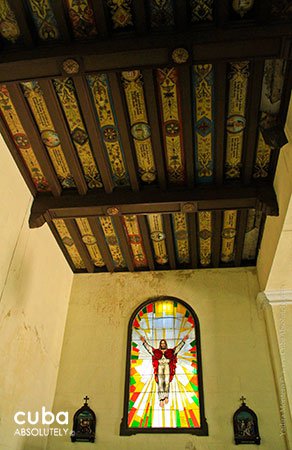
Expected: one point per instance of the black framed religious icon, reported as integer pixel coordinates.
(245, 425)
(84, 424)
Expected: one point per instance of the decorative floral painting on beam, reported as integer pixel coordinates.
(163, 389)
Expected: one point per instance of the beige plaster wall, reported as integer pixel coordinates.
(234, 349)
(35, 284)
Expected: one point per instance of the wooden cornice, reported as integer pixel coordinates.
(46, 207)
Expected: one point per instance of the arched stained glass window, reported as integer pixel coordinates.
(164, 388)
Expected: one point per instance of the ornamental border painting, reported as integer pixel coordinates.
(164, 385)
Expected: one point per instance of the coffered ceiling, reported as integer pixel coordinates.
(148, 132)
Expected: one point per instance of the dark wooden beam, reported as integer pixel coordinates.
(61, 245)
(220, 119)
(153, 117)
(126, 139)
(101, 242)
(60, 126)
(181, 16)
(58, 9)
(240, 236)
(206, 44)
(86, 106)
(187, 121)
(81, 247)
(31, 130)
(17, 157)
(100, 18)
(140, 16)
(254, 95)
(286, 94)
(150, 201)
(169, 240)
(221, 12)
(216, 237)
(123, 241)
(146, 241)
(193, 246)
(21, 18)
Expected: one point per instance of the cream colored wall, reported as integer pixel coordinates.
(234, 349)
(35, 284)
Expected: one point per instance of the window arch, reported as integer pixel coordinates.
(164, 386)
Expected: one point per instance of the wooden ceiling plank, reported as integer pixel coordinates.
(60, 126)
(81, 247)
(31, 130)
(181, 15)
(58, 8)
(100, 18)
(146, 241)
(101, 242)
(254, 94)
(187, 121)
(61, 245)
(192, 229)
(125, 135)
(154, 121)
(216, 238)
(123, 241)
(261, 196)
(222, 12)
(240, 236)
(169, 240)
(220, 119)
(140, 16)
(94, 134)
(17, 157)
(18, 8)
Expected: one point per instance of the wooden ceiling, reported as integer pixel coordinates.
(148, 132)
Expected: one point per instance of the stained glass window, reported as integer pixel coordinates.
(163, 390)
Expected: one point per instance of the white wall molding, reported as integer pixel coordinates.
(282, 297)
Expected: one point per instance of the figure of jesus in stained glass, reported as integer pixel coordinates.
(163, 371)
(164, 362)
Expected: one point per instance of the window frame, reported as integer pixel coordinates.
(125, 430)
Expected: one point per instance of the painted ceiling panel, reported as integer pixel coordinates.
(228, 236)
(203, 107)
(82, 18)
(21, 140)
(112, 242)
(107, 122)
(69, 243)
(50, 138)
(9, 28)
(68, 99)
(90, 241)
(201, 10)
(135, 241)
(236, 121)
(181, 237)
(205, 237)
(140, 129)
(44, 19)
(121, 13)
(157, 236)
(161, 13)
(170, 107)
